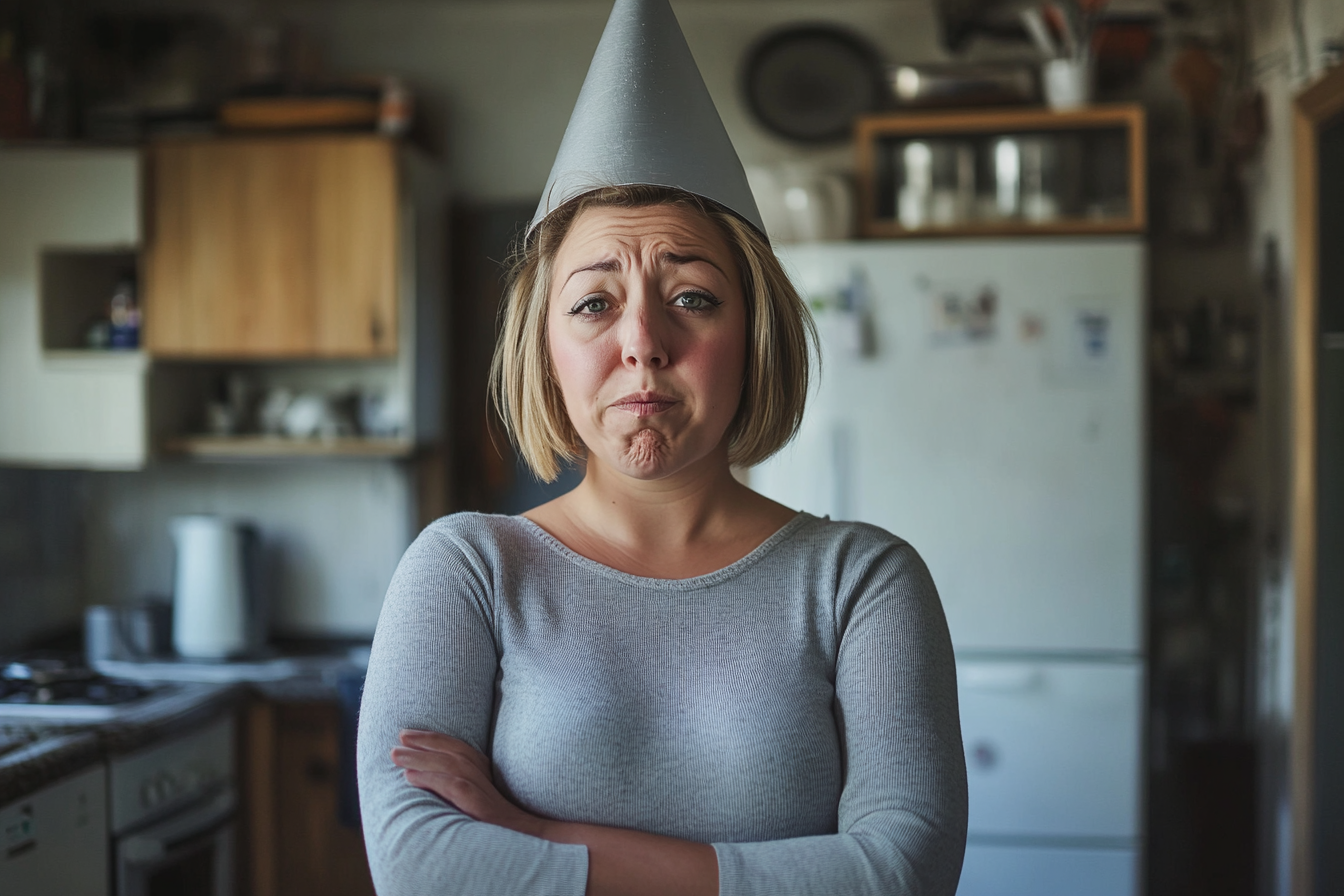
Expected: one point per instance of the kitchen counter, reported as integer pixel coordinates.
(37, 759)
(190, 707)
(37, 751)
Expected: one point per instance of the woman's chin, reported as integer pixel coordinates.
(646, 455)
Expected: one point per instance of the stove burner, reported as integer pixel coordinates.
(54, 679)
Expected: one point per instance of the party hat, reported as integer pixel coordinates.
(644, 116)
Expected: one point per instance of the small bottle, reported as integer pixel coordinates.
(394, 109)
(123, 315)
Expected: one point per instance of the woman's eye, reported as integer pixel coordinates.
(590, 305)
(696, 301)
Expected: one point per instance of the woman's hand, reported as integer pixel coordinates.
(619, 861)
(460, 774)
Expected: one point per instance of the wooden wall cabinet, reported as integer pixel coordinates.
(1002, 172)
(271, 247)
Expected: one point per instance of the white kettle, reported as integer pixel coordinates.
(215, 612)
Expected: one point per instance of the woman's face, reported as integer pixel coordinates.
(647, 327)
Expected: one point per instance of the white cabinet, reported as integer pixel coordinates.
(70, 229)
(61, 406)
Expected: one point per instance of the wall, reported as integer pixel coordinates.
(497, 79)
(332, 533)
(41, 530)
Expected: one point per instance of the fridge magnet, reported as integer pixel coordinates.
(959, 314)
(1093, 333)
(1031, 327)
(1083, 343)
(844, 318)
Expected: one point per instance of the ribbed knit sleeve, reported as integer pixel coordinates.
(433, 667)
(902, 815)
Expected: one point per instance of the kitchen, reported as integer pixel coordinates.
(88, 490)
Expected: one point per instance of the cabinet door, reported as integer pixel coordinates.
(296, 844)
(274, 247)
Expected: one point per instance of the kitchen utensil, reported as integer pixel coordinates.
(271, 413)
(1034, 23)
(1027, 179)
(304, 417)
(802, 203)
(1040, 178)
(381, 414)
(140, 632)
(962, 85)
(820, 204)
(938, 184)
(809, 83)
(216, 611)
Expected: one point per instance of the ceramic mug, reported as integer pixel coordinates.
(1067, 83)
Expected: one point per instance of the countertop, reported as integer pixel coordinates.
(42, 751)
(37, 752)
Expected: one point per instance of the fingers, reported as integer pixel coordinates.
(443, 743)
(455, 789)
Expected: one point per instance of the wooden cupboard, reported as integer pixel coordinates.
(271, 247)
(295, 843)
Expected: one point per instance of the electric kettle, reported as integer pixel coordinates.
(216, 612)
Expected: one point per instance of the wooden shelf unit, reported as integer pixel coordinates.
(874, 132)
(279, 447)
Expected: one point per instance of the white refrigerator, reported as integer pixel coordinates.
(984, 401)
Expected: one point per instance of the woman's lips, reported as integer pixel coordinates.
(644, 404)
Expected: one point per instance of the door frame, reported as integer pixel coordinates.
(1312, 108)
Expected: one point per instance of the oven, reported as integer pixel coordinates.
(173, 814)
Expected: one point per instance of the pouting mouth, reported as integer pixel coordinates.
(644, 403)
(645, 396)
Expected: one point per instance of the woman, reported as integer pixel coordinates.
(660, 682)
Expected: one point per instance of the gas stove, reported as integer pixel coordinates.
(58, 687)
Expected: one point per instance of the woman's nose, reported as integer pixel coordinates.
(643, 342)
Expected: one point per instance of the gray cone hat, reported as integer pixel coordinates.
(644, 116)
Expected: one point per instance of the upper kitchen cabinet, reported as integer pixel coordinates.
(69, 228)
(272, 247)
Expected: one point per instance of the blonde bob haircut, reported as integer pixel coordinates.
(781, 338)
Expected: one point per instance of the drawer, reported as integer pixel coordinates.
(1052, 748)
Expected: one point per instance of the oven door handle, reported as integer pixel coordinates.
(155, 843)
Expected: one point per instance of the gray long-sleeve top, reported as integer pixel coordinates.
(797, 710)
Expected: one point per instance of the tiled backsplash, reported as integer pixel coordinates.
(332, 533)
(42, 552)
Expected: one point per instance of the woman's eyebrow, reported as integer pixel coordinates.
(674, 258)
(610, 265)
(606, 267)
